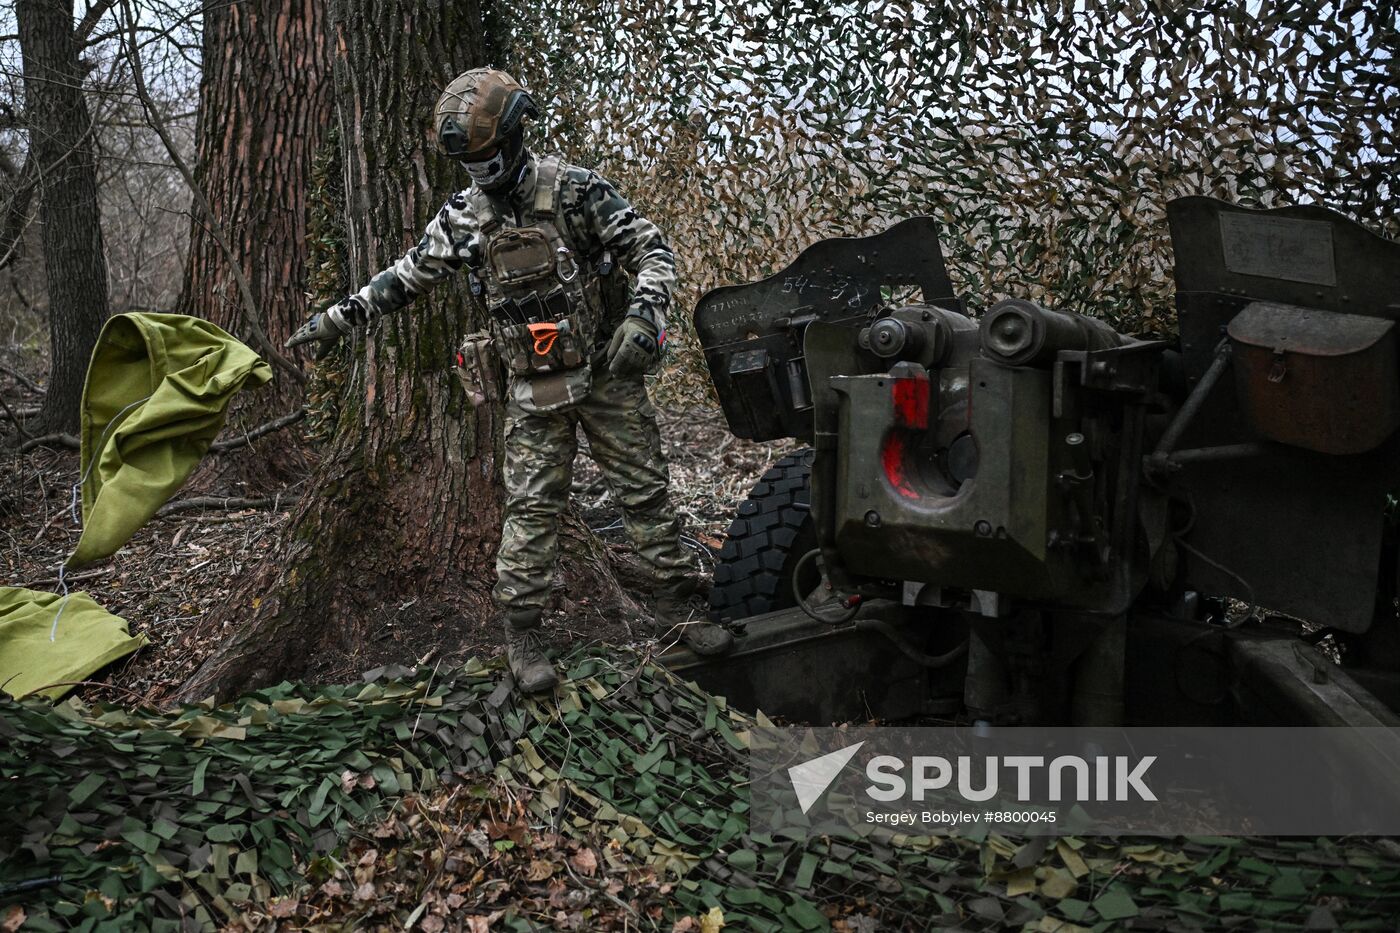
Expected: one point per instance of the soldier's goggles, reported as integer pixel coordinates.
(454, 144)
(484, 155)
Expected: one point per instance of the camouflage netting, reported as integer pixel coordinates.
(137, 818)
(1046, 138)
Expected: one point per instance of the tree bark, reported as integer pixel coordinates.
(265, 105)
(405, 500)
(60, 144)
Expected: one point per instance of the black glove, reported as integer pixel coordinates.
(326, 328)
(634, 348)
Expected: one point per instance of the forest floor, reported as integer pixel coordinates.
(183, 563)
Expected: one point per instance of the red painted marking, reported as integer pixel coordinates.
(461, 361)
(911, 398)
(892, 458)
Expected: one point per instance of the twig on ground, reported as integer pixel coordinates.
(247, 437)
(14, 418)
(225, 502)
(62, 440)
(73, 578)
(91, 683)
(21, 377)
(14, 415)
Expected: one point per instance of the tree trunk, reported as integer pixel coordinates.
(405, 500)
(60, 145)
(265, 105)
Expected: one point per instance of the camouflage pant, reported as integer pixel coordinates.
(620, 423)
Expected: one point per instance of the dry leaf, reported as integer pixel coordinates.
(539, 870)
(480, 842)
(586, 862)
(13, 920)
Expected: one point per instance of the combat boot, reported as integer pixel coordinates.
(680, 607)
(529, 665)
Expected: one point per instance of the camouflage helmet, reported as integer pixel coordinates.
(478, 111)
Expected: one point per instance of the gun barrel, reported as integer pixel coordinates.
(1022, 333)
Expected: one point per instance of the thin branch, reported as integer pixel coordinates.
(21, 377)
(91, 19)
(247, 437)
(45, 440)
(229, 503)
(92, 683)
(22, 413)
(70, 578)
(252, 316)
(15, 418)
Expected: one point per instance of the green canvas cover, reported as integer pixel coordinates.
(86, 639)
(156, 394)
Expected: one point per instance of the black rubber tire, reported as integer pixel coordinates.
(773, 529)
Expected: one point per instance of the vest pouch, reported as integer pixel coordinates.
(479, 368)
(544, 347)
(519, 255)
(548, 392)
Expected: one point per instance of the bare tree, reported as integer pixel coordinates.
(61, 148)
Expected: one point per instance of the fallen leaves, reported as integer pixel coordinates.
(466, 860)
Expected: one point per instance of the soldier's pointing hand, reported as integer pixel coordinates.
(325, 328)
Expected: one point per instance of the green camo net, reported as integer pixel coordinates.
(145, 818)
(1045, 138)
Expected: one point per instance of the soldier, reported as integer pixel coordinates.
(551, 248)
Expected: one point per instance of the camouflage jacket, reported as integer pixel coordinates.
(593, 217)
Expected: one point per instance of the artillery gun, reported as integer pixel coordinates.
(1032, 518)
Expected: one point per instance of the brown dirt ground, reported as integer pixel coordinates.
(181, 565)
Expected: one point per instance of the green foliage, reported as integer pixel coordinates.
(1045, 138)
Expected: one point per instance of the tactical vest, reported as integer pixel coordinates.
(546, 302)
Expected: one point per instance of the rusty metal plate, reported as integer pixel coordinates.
(1316, 379)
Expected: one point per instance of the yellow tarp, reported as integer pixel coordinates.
(156, 394)
(86, 639)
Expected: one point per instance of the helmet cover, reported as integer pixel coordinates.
(478, 111)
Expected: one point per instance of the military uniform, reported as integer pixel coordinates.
(615, 414)
(554, 250)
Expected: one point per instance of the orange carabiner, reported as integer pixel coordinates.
(545, 335)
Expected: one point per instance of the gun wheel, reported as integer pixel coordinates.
(765, 543)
